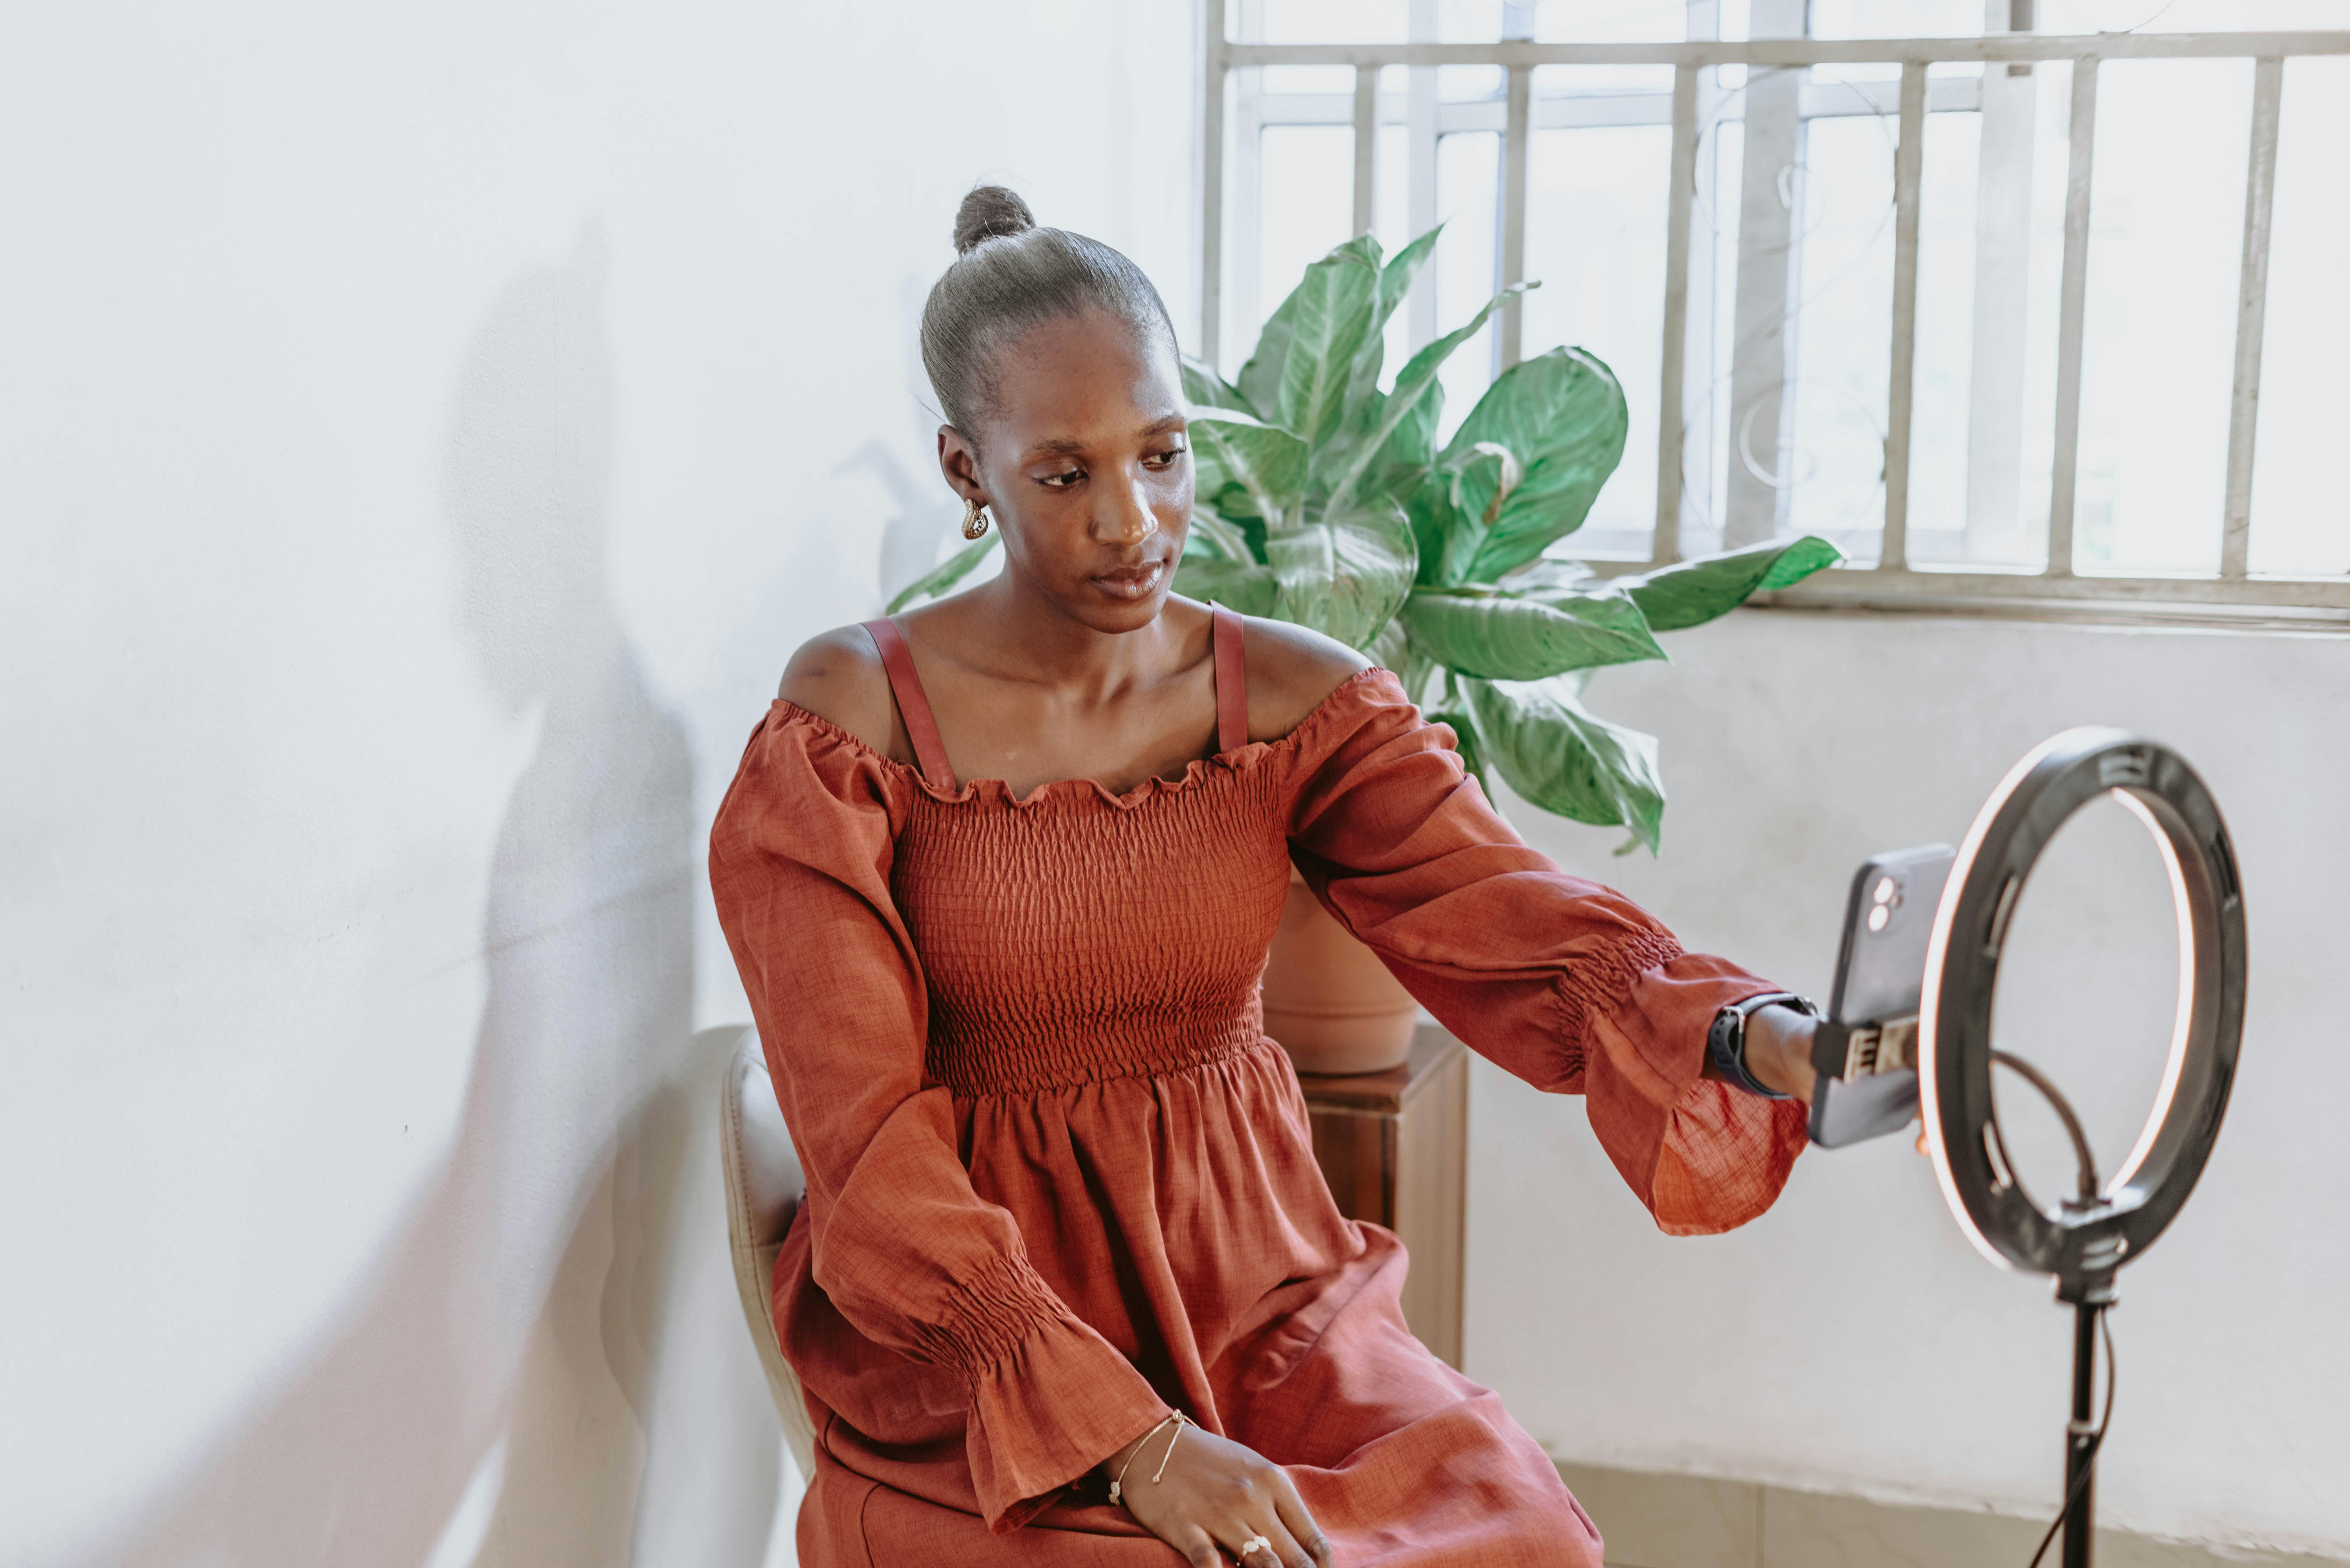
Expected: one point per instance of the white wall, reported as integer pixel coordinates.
(424, 430)
(1850, 1339)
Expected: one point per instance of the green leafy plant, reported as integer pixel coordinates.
(1323, 500)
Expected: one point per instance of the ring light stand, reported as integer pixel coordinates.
(2087, 1239)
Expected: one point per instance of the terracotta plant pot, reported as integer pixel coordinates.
(1328, 999)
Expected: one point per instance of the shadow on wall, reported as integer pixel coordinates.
(541, 1319)
(920, 518)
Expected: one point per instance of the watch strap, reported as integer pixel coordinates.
(1726, 1041)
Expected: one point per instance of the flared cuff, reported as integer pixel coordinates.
(1704, 1157)
(1050, 1399)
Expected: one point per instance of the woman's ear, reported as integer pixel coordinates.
(958, 460)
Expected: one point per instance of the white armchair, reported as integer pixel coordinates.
(763, 1189)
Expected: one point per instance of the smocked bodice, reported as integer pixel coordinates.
(1073, 937)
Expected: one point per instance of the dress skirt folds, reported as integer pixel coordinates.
(1060, 1182)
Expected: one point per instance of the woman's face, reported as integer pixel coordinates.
(1086, 462)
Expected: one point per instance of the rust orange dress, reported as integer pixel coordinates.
(1059, 1181)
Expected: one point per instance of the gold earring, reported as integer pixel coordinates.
(974, 519)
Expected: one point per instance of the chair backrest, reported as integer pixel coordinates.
(763, 1189)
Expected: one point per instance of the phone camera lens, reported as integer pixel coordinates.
(1879, 916)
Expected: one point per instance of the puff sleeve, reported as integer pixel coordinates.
(1565, 983)
(908, 1252)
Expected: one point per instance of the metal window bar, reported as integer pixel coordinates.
(2251, 312)
(2071, 316)
(1680, 199)
(1909, 159)
(2232, 597)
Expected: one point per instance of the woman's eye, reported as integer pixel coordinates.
(1062, 480)
(1165, 459)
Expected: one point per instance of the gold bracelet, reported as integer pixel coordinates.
(1182, 1421)
(1117, 1486)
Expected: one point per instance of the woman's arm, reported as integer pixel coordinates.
(900, 1241)
(1564, 983)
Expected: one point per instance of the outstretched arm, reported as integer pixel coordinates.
(1566, 984)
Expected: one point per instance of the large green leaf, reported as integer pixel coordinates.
(1402, 268)
(1228, 447)
(1807, 554)
(1559, 756)
(1334, 305)
(1203, 387)
(1259, 382)
(1420, 672)
(1694, 592)
(1564, 414)
(1395, 282)
(1216, 539)
(1453, 509)
(1228, 498)
(945, 574)
(1388, 428)
(1546, 574)
(1346, 575)
(1399, 466)
(1435, 522)
(1501, 639)
(1390, 649)
(1248, 588)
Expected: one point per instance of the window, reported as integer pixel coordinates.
(2032, 318)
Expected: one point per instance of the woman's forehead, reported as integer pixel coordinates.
(1087, 378)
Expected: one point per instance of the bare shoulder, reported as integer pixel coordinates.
(837, 675)
(1291, 668)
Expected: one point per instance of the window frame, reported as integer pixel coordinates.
(1235, 111)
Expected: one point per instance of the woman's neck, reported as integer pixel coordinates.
(1010, 631)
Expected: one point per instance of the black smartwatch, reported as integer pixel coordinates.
(1725, 1044)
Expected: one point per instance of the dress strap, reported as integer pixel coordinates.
(1232, 682)
(913, 704)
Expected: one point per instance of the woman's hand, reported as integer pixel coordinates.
(1211, 1496)
(1779, 1050)
(1779, 1054)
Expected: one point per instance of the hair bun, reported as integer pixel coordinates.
(990, 213)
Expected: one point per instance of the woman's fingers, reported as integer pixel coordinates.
(1199, 1550)
(1300, 1523)
(1280, 1549)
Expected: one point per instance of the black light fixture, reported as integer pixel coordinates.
(2084, 1240)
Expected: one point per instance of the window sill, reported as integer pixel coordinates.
(2265, 603)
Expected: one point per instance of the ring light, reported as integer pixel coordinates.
(2083, 1242)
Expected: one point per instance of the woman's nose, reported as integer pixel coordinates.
(1129, 519)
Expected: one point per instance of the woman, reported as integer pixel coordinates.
(1000, 878)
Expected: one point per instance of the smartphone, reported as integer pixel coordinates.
(1864, 1050)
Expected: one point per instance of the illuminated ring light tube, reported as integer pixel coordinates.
(2081, 1245)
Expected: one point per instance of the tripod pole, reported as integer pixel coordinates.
(2081, 1439)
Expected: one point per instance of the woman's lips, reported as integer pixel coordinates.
(1131, 582)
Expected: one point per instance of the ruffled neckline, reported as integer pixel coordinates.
(1198, 772)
